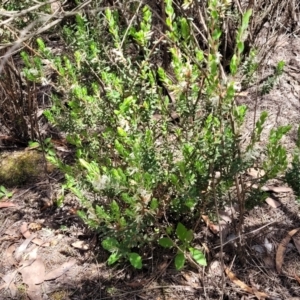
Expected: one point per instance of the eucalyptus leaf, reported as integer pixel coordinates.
(135, 260)
(114, 257)
(181, 232)
(198, 256)
(166, 242)
(179, 261)
(110, 244)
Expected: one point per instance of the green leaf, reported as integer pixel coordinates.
(41, 44)
(115, 209)
(189, 236)
(259, 124)
(110, 244)
(185, 31)
(135, 260)
(114, 257)
(166, 242)
(90, 222)
(277, 134)
(233, 64)
(51, 152)
(120, 148)
(84, 163)
(8, 194)
(101, 213)
(33, 144)
(121, 132)
(216, 34)
(169, 230)
(162, 74)
(190, 203)
(279, 67)
(298, 137)
(199, 55)
(181, 231)
(240, 114)
(124, 107)
(179, 261)
(240, 46)
(246, 18)
(198, 256)
(154, 204)
(174, 179)
(3, 189)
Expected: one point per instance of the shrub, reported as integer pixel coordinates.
(152, 135)
(292, 175)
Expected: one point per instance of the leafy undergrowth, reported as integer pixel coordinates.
(155, 145)
(53, 248)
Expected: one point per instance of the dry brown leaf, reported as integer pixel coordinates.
(31, 253)
(13, 232)
(34, 272)
(24, 230)
(273, 203)
(223, 228)
(282, 189)
(259, 295)
(191, 279)
(40, 242)
(3, 286)
(242, 94)
(6, 204)
(21, 249)
(59, 271)
(297, 278)
(26, 233)
(8, 255)
(34, 293)
(276, 189)
(238, 282)
(25, 263)
(281, 249)
(244, 286)
(255, 173)
(214, 228)
(8, 279)
(81, 245)
(265, 188)
(7, 238)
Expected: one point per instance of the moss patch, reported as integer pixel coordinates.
(20, 167)
(60, 295)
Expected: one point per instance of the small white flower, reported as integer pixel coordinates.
(237, 86)
(44, 81)
(118, 55)
(124, 124)
(145, 196)
(101, 182)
